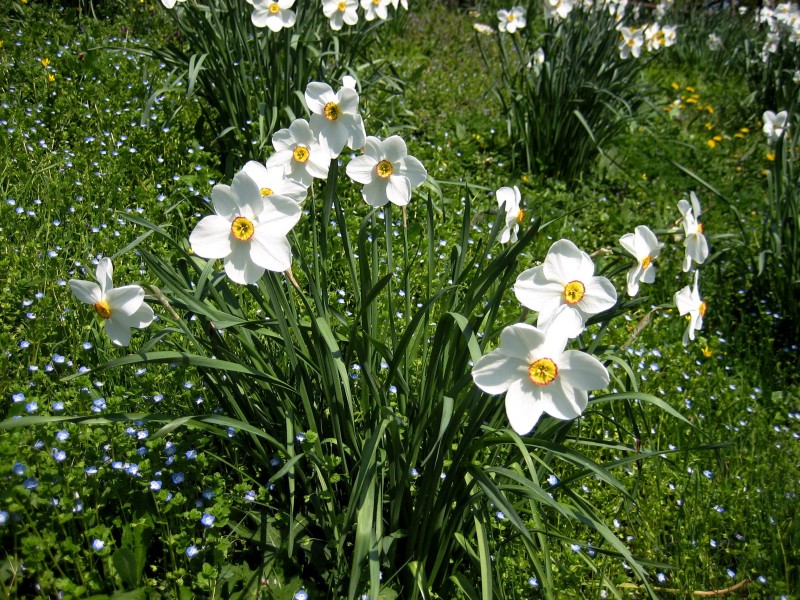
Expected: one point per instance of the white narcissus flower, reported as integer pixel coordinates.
(273, 182)
(774, 125)
(170, 3)
(396, 3)
(273, 14)
(511, 20)
(120, 308)
(340, 12)
(299, 153)
(631, 44)
(538, 375)
(248, 232)
(334, 117)
(644, 246)
(670, 35)
(387, 171)
(557, 8)
(566, 278)
(375, 9)
(695, 242)
(510, 197)
(689, 303)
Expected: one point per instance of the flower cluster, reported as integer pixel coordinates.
(688, 299)
(783, 24)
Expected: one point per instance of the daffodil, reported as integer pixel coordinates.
(120, 308)
(299, 153)
(170, 3)
(273, 14)
(695, 242)
(273, 182)
(248, 231)
(538, 375)
(509, 198)
(387, 171)
(566, 278)
(557, 8)
(375, 9)
(511, 20)
(644, 246)
(774, 125)
(689, 303)
(631, 43)
(334, 117)
(340, 12)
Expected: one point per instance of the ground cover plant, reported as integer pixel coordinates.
(429, 369)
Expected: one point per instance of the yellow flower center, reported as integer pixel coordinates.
(301, 154)
(510, 16)
(542, 371)
(574, 291)
(103, 309)
(699, 228)
(520, 216)
(384, 169)
(342, 6)
(242, 228)
(265, 191)
(702, 309)
(646, 261)
(274, 8)
(331, 110)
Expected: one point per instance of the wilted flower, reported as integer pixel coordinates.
(537, 374)
(566, 278)
(644, 246)
(375, 9)
(335, 119)
(340, 12)
(301, 155)
(695, 241)
(774, 125)
(273, 14)
(510, 198)
(387, 171)
(120, 308)
(689, 303)
(511, 20)
(248, 232)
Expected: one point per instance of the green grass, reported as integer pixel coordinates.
(710, 506)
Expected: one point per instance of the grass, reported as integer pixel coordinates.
(712, 504)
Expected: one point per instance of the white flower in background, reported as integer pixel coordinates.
(669, 35)
(714, 42)
(774, 125)
(170, 3)
(484, 29)
(396, 3)
(387, 171)
(796, 77)
(538, 375)
(273, 182)
(273, 14)
(511, 20)
(565, 278)
(695, 242)
(538, 57)
(632, 42)
(375, 9)
(335, 119)
(340, 12)
(644, 246)
(689, 303)
(510, 197)
(557, 8)
(120, 308)
(653, 38)
(299, 153)
(248, 231)
(771, 45)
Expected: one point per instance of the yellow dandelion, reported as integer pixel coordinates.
(738, 168)
(692, 99)
(709, 109)
(738, 135)
(764, 172)
(709, 126)
(525, 179)
(717, 138)
(711, 143)
(770, 156)
(51, 78)
(707, 352)
(675, 85)
(45, 62)
(745, 130)
(690, 88)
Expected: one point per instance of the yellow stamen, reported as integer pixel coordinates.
(301, 154)
(331, 111)
(520, 216)
(342, 6)
(274, 8)
(103, 309)
(699, 228)
(265, 191)
(542, 371)
(574, 292)
(242, 228)
(702, 309)
(384, 169)
(646, 262)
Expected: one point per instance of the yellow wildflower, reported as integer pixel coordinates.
(45, 62)
(711, 143)
(770, 156)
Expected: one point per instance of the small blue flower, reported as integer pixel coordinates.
(19, 469)
(731, 573)
(300, 437)
(231, 432)
(59, 359)
(762, 580)
(58, 406)
(192, 551)
(500, 516)
(208, 494)
(18, 397)
(31, 407)
(63, 435)
(274, 462)
(99, 405)
(301, 595)
(533, 582)
(58, 455)
(92, 470)
(191, 454)
(552, 479)
(142, 435)
(3, 517)
(24, 344)
(178, 478)
(413, 472)
(576, 548)
(30, 483)
(208, 520)
(250, 496)
(169, 449)
(87, 345)
(661, 578)
(98, 545)
(155, 485)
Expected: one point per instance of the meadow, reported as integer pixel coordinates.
(325, 417)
